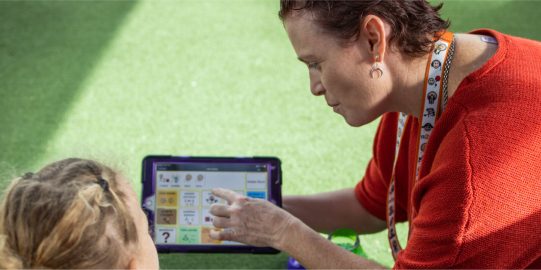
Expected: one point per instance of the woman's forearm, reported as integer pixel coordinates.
(313, 251)
(326, 212)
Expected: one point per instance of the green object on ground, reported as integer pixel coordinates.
(349, 240)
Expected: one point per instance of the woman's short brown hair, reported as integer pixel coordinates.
(413, 23)
(71, 214)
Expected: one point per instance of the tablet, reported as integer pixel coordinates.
(176, 198)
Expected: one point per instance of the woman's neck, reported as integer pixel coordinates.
(407, 96)
(471, 53)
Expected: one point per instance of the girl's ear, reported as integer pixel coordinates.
(132, 265)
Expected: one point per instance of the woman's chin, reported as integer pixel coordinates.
(357, 121)
(353, 122)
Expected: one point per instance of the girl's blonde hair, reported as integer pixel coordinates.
(71, 214)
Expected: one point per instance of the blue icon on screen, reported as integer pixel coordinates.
(257, 194)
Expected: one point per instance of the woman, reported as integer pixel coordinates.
(460, 162)
(75, 214)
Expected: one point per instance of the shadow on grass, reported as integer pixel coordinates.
(47, 48)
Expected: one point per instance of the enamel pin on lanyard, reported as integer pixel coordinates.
(434, 87)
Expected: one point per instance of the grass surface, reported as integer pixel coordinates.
(118, 80)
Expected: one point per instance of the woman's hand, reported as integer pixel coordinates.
(251, 221)
(260, 223)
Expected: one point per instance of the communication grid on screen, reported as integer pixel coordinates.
(183, 197)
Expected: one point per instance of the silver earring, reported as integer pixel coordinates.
(376, 69)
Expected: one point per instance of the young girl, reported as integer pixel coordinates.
(74, 213)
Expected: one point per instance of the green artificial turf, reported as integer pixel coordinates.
(118, 80)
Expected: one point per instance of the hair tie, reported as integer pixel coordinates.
(103, 184)
(28, 175)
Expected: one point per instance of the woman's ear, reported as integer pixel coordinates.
(373, 32)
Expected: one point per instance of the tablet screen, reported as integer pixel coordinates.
(182, 197)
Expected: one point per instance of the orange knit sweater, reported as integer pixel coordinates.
(478, 200)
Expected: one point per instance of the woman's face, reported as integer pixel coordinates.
(339, 73)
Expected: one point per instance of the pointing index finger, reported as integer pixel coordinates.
(226, 194)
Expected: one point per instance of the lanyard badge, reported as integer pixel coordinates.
(434, 87)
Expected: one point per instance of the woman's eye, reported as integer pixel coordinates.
(313, 65)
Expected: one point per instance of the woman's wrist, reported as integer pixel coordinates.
(292, 235)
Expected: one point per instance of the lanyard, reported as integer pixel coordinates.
(435, 86)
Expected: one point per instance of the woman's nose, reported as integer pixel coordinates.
(317, 88)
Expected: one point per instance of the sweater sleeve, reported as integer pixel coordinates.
(441, 200)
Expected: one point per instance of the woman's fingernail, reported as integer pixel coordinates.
(214, 234)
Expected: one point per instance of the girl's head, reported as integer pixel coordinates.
(73, 213)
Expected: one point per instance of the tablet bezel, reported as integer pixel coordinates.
(148, 192)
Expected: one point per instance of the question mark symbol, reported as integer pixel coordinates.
(166, 236)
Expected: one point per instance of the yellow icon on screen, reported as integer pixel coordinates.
(167, 198)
